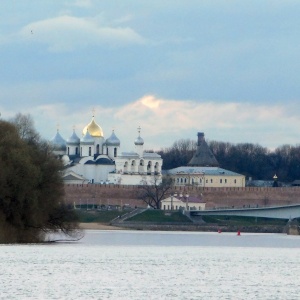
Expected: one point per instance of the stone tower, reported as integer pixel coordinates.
(203, 156)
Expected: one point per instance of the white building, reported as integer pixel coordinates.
(182, 201)
(94, 159)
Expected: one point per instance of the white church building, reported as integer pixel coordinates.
(94, 159)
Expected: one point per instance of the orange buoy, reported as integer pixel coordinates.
(238, 233)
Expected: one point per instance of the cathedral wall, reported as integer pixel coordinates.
(95, 173)
(214, 197)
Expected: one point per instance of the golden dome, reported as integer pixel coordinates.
(93, 128)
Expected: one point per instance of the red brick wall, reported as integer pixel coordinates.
(214, 197)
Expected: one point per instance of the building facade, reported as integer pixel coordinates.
(203, 170)
(94, 159)
(206, 177)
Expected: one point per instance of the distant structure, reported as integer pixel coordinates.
(203, 156)
(94, 159)
(182, 201)
(203, 170)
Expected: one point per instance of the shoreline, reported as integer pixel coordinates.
(192, 227)
(99, 226)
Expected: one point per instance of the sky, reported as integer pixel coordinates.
(227, 68)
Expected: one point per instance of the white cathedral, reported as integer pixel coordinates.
(94, 159)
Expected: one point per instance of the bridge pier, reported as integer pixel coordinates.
(292, 228)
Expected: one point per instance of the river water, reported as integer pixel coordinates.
(154, 265)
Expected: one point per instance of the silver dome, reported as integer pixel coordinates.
(139, 141)
(73, 139)
(112, 140)
(87, 139)
(58, 142)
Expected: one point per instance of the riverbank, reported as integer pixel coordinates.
(99, 226)
(183, 227)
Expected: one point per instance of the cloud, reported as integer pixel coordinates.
(164, 121)
(66, 33)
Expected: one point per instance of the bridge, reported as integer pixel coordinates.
(276, 212)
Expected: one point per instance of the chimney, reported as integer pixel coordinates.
(200, 138)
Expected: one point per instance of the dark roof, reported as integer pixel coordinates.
(100, 161)
(203, 156)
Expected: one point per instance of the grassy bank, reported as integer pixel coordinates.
(166, 217)
(98, 216)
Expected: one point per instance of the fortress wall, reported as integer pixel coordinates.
(102, 194)
(214, 197)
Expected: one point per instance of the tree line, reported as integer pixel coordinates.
(251, 160)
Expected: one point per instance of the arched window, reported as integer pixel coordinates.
(90, 151)
(76, 150)
(97, 149)
(141, 167)
(156, 168)
(68, 150)
(149, 167)
(126, 167)
(80, 151)
(115, 152)
(133, 166)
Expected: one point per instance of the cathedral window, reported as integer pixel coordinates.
(90, 151)
(115, 152)
(97, 149)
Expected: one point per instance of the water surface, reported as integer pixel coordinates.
(154, 265)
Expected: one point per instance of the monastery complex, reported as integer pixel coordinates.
(96, 171)
(94, 159)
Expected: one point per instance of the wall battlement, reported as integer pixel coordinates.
(214, 197)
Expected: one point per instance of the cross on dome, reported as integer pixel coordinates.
(139, 141)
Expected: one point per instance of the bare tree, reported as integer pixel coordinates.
(152, 194)
(25, 127)
(179, 154)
